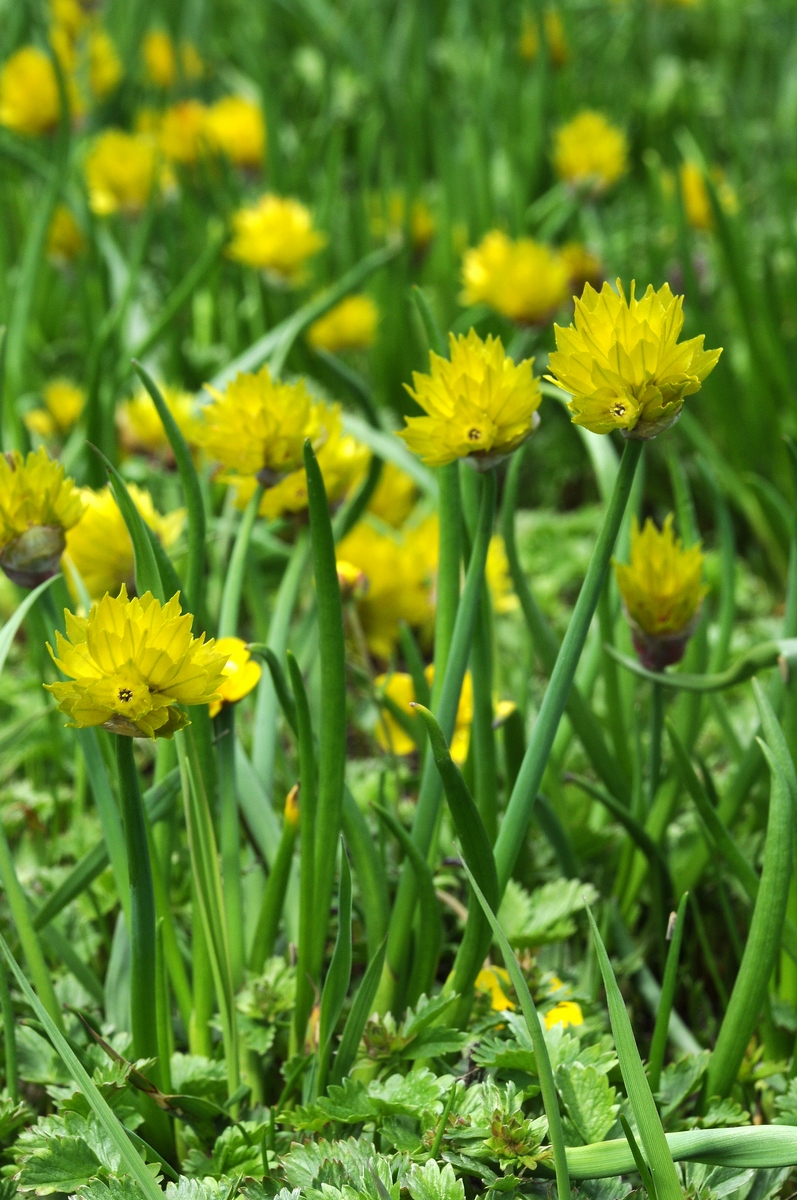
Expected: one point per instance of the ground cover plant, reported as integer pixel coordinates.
(399, 599)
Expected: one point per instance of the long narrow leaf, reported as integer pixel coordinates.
(360, 1011)
(336, 984)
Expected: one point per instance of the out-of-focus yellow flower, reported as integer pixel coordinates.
(590, 152)
(353, 582)
(697, 204)
(582, 266)
(566, 1012)
(38, 504)
(480, 405)
(131, 663)
(523, 280)
(120, 170)
(275, 235)
(160, 61)
(29, 100)
(291, 812)
(105, 65)
(394, 496)
(148, 121)
(99, 546)
(401, 690)
(64, 238)
(498, 579)
(529, 40)
(140, 426)
(241, 673)
(69, 15)
(191, 63)
(350, 325)
(64, 403)
(234, 127)
(491, 982)
(388, 215)
(182, 131)
(622, 362)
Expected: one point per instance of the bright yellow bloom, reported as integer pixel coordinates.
(132, 662)
(235, 127)
(182, 131)
(566, 1012)
(70, 15)
(662, 586)
(401, 690)
(160, 61)
(491, 982)
(105, 65)
(38, 504)
(523, 280)
(590, 152)
(394, 496)
(275, 235)
(120, 170)
(582, 266)
(29, 100)
(696, 199)
(480, 405)
(140, 426)
(99, 546)
(499, 582)
(64, 403)
(241, 673)
(64, 238)
(622, 362)
(350, 325)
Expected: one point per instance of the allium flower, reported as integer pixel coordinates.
(99, 546)
(622, 362)
(64, 403)
(120, 170)
(141, 429)
(697, 204)
(131, 663)
(182, 132)
(523, 280)
(480, 405)
(590, 152)
(29, 100)
(662, 590)
(241, 673)
(394, 497)
(275, 235)
(401, 690)
(566, 1012)
(234, 127)
(38, 504)
(105, 65)
(350, 325)
(160, 61)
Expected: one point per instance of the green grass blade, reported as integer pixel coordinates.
(274, 895)
(360, 1011)
(754, 1146)
(658, 1043)
(148, 576)
(369, 870)
(284, 696)
(434, 334)
(308, 775)
(336, 984)
(233, 583)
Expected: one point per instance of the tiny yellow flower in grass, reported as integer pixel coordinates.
(590, 152)
(350, 325)
(131, 663)
(64, 402)
(105, 65)
(566, 1012)
(65, 240)
(623, 364)
(160, 61)
(394, 496)
(401, 690)
(662, 590)
(582, 266)
(99, 546)
(140, 427)
(352, 581)
(120, 169)
(491, 982)
(241, 673)
(29, 100)
(234, 127)
(38, 504)
(697, 204)
(182, 132)
(523, 280)
(276, 235)
(498, 580)
(480, 406)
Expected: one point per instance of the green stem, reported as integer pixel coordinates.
(654, 748)
(615, 715)
(669, 983)
(307, 817)
(449, 558)
(230, 840)
(233, 585)
(9, 1037)
(274, 895)
(199, 1040)
(482, 732)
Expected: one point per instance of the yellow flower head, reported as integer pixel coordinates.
(65, 239)
(131, 663)
(582, 266)
(491, 982)
(29, 100)
(350, 325)
(401, 690)
(523, 280)
(590, 152)
(120, 169)
(529, 40)
(623, 364)
(697, 204)
(566, 1012)
(70, 15)
(241, 673)
(160, 61)
(182, 131)
(234, 127)
(479, 404)
(497, 575)
(38, 504)
(662, 590)
(99, 546)
(394, 496)
(275, 235)
(105, 65)
(140, 426)
(64, 403)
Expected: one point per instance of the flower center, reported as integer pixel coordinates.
(474, 435)
(618, 409)
(125, 695)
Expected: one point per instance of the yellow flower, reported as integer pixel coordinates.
(275, 235)
(696, 199)
(401, 690)
(131, 663)
(99, 546)
(140, 427)
(529, 40)
(182, 131)
(590, 152)
(241, 673)
(622, 362)
(350, 325)
(191, 63)
(160, 61)
(29, 100)
(498, 580)
(566, 1012)
(523, 280)
(105, 65)
(394, 497)
(235, 127)
(69, 15)
(38, 504)
(582, 266)
(491, 982)
(64, 238)
(480, 405)
(662, 590)
(120, 169)
(64, 403)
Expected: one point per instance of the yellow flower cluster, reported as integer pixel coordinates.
(105, 66)
(590, 152)
(276, 235)
(140, 427)
(400, 689)
(240, 674)
(130, 663)
(394, 496)
(523, 280)
(38, 504)
(697, 204)
(163, 63)
(622, 362)
(63, 402)
(120, 172)
(29, 100)
(232, 127)
(350, 325)
(479, 404)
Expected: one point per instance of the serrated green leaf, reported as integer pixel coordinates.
(62, 1164)
(111, 1189)
(680, 1079)
(430, 1182)
(544, 915)
(589, 1100)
